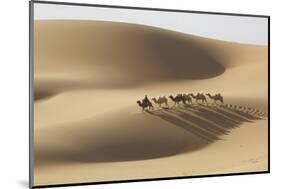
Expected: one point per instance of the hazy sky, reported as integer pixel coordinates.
(250, 30)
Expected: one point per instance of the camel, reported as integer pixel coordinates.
(182, 98)
(241, 108)
(144, 104)
(229, 106)
(188, 98)
(244, 109)
(226, 105)
(160, 101)
(251, 110)
(216, 97)
(255, 111)
(177, 99)
(199, 97)
(146, 100)
(261, 114)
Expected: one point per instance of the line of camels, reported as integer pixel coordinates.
(200, 98)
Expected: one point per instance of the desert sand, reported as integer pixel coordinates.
(88, 76)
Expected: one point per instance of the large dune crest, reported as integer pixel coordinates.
(113, 55)
(76, 54)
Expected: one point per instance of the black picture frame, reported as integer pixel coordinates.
(31, 96)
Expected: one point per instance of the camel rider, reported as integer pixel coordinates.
(146, 100)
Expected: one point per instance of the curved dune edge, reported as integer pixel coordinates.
(115, 55)
(71, 54)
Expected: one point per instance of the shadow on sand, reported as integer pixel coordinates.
(207, 122)
(135, 139)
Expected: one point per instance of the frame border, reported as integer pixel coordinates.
(31, 91)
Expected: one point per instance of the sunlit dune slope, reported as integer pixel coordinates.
(94, 54)
(113, 55)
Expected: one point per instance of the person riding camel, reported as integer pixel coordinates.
(146, 100)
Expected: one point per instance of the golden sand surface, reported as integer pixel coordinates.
(88, 127)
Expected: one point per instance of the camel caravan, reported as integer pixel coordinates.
(198, 99)
(184, 99)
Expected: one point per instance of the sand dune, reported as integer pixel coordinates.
(132, 55)
(88, 127)
(130, 141)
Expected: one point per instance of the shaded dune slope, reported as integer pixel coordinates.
(73, 54)
(169, 132)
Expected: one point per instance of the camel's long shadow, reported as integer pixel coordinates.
(207, 122)
(130, 142)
